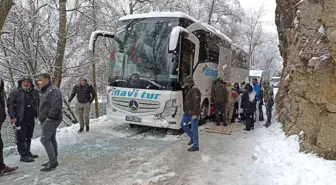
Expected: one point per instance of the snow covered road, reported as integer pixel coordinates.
(122, 156)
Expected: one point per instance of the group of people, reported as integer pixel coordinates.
(243, 102)
(26, 103)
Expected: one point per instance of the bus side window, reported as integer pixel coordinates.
(187, 58)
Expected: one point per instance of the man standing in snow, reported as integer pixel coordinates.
(219, 96)
(22, 105)
(269, 102)
(257, 89)
(3, 168)
(191, 107)
(85, 96)
(50, 116)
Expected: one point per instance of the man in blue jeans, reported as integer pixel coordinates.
(192, 110)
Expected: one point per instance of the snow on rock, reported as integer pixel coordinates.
(279, 155)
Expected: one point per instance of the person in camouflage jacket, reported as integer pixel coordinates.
(219, 96)
(269, 102)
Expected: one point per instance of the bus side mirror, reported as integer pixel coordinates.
(174, 36)
(95, 35)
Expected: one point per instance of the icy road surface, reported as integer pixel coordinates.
(118, 155)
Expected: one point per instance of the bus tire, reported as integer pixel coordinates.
(132, 125)
(204, 112)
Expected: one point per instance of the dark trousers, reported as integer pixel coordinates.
(249, 121)
(269, 112)
(2, 164)
(48, 138)
(235, 111)
(220, 112)
(24, 136)
(261, 113)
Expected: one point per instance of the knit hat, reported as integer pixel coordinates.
(189, 80)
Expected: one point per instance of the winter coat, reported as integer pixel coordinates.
(219, 93)
(249, 101)
(2, 103)
(51, 104)
(85, 94)
(268, 96)
(18, 98)
(192, 102)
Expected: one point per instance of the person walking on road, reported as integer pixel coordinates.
(4, 169)
(50, 117)
(192, 107)
(22, 106)
(85, 96)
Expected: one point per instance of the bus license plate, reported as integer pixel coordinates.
(133, 119)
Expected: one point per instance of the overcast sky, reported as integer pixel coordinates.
(269, 6)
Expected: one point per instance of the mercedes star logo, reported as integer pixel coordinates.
(133, 105)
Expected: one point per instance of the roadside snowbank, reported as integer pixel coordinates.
(279, 157)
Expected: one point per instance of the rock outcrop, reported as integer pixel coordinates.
(306, 100)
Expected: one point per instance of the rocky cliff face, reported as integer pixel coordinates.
(306, 101)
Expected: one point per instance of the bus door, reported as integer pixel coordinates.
(189, 56)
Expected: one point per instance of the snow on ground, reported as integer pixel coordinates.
(279, 157)
(117, 154)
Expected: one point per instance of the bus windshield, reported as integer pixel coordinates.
(140, 58)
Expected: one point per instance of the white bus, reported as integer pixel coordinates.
(152, 54)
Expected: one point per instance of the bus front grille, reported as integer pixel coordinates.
(142, 106)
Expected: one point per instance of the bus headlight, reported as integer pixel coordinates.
(170, 108)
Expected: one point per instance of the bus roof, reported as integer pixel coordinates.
(177, 15)
(158, 14)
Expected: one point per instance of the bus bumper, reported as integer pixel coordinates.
(147, 120)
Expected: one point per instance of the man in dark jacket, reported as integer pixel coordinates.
(22, 105)
(269, 102)
(249, 105)
(3, 168)
(192, 110)
(219, 95)
(85, 96)
(50, 116)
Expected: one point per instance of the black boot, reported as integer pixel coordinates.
(80, 129)
(87, 128)
(32, 155)
(193, 149)
(45, 164)
(190, 142)
(26, 159)
(50, 166)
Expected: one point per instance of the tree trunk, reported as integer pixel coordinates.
(62, 35)
(211, 11)
(5, 6)
(94, 79)
(130, 7)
